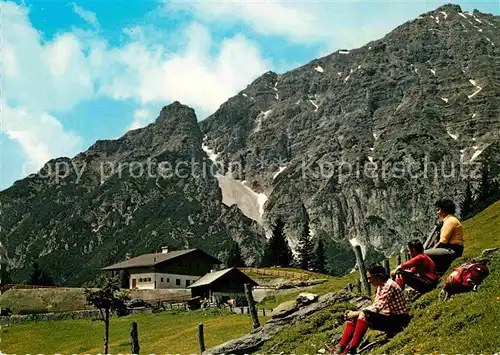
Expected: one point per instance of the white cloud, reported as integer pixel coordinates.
(333, 24)
(269, 18)
(49, 76)
(192, 76)
(40, 135)
(141, 118)
(86, 15)
(45, 78)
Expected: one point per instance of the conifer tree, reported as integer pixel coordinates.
(40, 277)
(320, 258)
(234, 258)
(278, 252)
(467, 204)
(488, 191)
(5, 277)
(305, 248)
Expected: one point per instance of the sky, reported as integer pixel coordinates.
(76, 72)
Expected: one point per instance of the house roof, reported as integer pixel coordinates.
(209, 278)
(148, 260)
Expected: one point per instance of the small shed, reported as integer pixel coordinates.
(220, 286)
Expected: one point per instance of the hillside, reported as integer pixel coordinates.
(467, 323)
(360, 143)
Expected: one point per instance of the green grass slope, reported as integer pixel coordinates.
(467, 323)
(163, 333)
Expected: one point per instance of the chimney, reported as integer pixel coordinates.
(164, 250)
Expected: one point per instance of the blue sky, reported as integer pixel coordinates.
(75, 72)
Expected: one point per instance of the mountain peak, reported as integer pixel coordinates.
(176, 111)
(450, 7)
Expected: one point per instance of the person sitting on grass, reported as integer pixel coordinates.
(451, 241)
(419, 272)
(389, 312)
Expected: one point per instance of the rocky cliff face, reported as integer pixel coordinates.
(363, 141)
(152, 187)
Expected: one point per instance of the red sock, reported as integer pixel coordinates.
(348, 331)
(359, 333)
(401, 283)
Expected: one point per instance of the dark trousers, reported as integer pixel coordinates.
(391, 324)
(419, 284)
(444, 255)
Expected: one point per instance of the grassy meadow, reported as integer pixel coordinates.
(162, 333)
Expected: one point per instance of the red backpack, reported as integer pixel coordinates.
(465, 278)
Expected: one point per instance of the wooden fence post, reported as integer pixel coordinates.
(358, 286)
(387, 266)
(251, 306)
(362, 270)
(201, 338)
(430, 238)
(134, 338)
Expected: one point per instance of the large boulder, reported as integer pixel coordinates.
(284, 309)
(305, 298)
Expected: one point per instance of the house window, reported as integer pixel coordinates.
(187, 283)
(162, 279)
(178, 282)
(168, 279)
(140, 279)
(149, 279)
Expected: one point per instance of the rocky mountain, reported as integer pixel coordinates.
(360, 143)
(152, 187)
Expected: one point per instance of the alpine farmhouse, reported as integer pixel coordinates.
(168, 269)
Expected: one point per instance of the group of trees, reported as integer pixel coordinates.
(311, 256)
(488, 191)
(37, 276)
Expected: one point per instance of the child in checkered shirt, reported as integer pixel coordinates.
(389, 312)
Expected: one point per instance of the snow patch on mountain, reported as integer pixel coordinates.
(315, 105)
(210, 152)
(478, 89)
(280, 170)
(454, 136)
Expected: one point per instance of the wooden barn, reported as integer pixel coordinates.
(220, 286)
